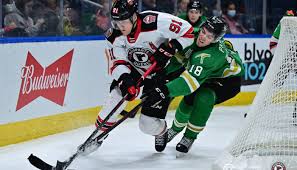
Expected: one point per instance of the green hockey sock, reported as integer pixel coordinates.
(203, 104)
(182, 116)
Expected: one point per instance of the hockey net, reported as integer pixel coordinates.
(268, 140)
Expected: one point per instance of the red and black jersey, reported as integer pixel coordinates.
(152, 29)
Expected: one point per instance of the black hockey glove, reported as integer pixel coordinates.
(128, 85)
(162, 55)
(156, 95)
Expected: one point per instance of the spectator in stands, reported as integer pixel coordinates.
(194, 15)
(18, 15)
(52, 4)
(182, 6)
(165, 6)
(50, 26)
(149, 5)
(100, 21)
(72, 22)
(102, 17)
(216, 10)
(229, 14)
(41, 10)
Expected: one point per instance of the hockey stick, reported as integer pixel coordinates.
(38, 163)
(65, 164)
(126, 115)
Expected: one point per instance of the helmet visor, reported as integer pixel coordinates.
(120, 23)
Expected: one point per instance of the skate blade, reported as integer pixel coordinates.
(180, 154)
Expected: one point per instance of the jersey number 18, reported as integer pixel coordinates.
(196, 70)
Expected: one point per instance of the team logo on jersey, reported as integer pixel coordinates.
(50, 82)
(202, 57)
(139, 56)
(149, 19)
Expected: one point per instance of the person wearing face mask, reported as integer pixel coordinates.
(212, 75)
(229, 14)
(194, 14)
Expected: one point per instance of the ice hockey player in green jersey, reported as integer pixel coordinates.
(276, 33)
(212, 76)
(194, 14)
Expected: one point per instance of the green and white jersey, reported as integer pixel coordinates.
(197, 24)
(275, 35)
(176, 62)
(277, 29)
(213, 61)
(276, 32)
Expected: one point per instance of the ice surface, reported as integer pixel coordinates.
(127, 148)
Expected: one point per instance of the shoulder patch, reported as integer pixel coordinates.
(149, 19)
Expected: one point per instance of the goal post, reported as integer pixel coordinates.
(268, 139)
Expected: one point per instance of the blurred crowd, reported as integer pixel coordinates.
(91, 17)
(45, 18)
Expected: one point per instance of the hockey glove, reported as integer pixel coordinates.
(156, 95)
(127, 85)
(162, 55)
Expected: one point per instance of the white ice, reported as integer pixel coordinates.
(127, 148)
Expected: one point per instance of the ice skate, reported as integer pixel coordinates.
(171, 134)
(184, 146)
(161, 141)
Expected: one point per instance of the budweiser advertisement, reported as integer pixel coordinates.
(49, 82)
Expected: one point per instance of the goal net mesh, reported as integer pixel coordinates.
(269, 136)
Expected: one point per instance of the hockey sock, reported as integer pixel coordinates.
(203, 104)
(182, 116)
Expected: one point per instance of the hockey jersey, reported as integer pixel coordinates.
(213, 61)
(275, 36)
(152, 29)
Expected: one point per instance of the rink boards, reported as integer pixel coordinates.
(54, 84)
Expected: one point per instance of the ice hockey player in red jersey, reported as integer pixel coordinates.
(136, 41)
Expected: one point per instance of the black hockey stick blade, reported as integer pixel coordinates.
(38, 163)
(61, 165)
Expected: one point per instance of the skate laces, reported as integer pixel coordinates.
(159, 140)
(171, 134)
(186, 142)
